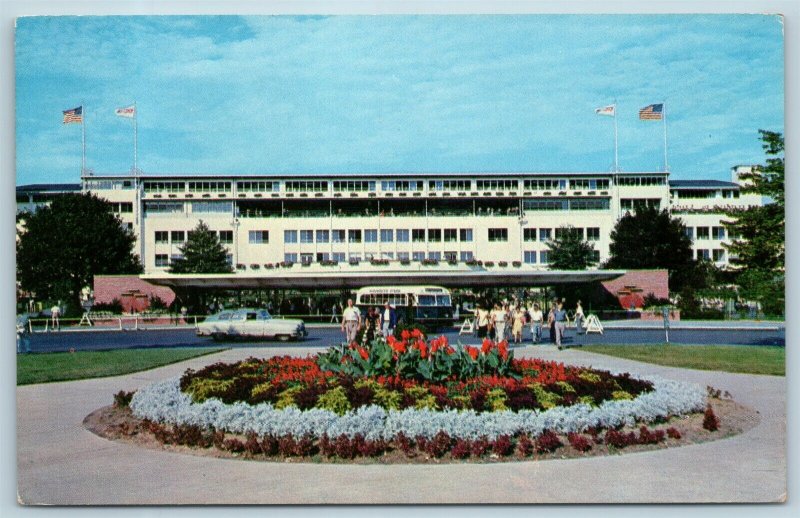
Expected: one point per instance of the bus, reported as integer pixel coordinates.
(430, 306)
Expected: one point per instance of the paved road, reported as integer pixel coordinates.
(325, 336)
(60, 462)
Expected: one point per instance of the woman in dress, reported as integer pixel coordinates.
(519, 323)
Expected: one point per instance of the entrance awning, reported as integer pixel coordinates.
(357, 276)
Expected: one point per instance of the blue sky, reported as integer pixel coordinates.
(396, 93)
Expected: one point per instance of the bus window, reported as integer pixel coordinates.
(426, 300)
(443, 300)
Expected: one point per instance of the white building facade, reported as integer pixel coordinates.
(491, 217)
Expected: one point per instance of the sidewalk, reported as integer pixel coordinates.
(59, 462)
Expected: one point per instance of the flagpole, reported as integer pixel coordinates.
(135, 140)
(616, 153)
(83, 138)
(666, 164)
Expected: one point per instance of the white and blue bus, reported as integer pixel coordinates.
(430, 306)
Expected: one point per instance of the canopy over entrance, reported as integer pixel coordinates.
(351, 277)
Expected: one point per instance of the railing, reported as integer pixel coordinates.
(112, 322)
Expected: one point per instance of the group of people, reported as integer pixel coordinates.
(377, 321)
(507, 321)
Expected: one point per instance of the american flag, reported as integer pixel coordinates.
(606, 110)
(654, 112)
(73, 115)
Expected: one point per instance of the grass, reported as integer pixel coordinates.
(48, 367)
(729, 358)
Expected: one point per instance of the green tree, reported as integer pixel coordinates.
(568, 251)
(651, 238)
(62, 247)
(760, 231)
(202, 253)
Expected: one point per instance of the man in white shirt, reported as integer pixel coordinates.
(351, 321)
(537, 319)
(388, 320)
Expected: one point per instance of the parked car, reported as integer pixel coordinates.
(251, 323)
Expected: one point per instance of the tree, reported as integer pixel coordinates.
(202, 253)
(651, 238)
(62, 247)
(760, 231)
(568, 251)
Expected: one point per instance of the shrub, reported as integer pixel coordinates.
(461, 449)
(122, 399)
(673, 433)
(647, 436)
(287, 445)
(269, 445)
(405, 443)
(480, 446)
(619, 439)
(525, 445)
(710, 419)
(548, 442)
(233, 445)
(503, 446)
(115, 307)
(251, 445)
(334, 400)
(579, 442)
(438, 445)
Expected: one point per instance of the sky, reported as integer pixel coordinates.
(372, 94)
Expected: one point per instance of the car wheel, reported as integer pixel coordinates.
(218, 337)
(284, 338)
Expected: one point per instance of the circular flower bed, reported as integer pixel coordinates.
(411, 395)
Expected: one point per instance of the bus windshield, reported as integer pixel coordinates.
(426, 300)
(443, 300)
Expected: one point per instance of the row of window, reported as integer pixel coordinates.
(179, 236)
(641, 180)
(639, 203)
(198, 207)
(400, 256)
(121, 208)
(718, 254)
(386, 235)
(559, 204)
(546, 234)
(700, 233)
(705, 193)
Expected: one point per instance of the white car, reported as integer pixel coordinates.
(250, 323)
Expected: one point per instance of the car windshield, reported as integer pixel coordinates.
(224, 316)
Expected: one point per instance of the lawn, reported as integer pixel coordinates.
(729, 358)
(46, 367)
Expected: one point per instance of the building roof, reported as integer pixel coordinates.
(50, 187)
(373, 175)
(702, 184)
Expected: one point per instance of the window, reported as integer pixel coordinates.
(162, 236)
(450, 256)
(596, 256)
(588, 184)
(163, 207)
(545, 234)
(703, 254)
(718, 254)
(434, 235)
(640, 181)
(290, 258)
(401, 185)
(175, 257)
(162, 260)
(355, 257)
(306, 258)
(353, 186)
(546, 204)
(689, 231)
(306, 236)
(258, 237)
(387, 235)
(226, 237)
(337, 256)
(465, 235)
(450, 235)
(637, 203)
(529, 234)
(122, 208)
(498, 234)
(353, 236)
(402, 235)
(450, 185)
(402, 256)
(210, 186)
(702, 232)
(730, 194)
(338, 236)
(212, 207)
(323, 236)
(543, 257)
(562, 231)
(718, 233)
(436, 256)
(371, 236)
(418, 256)
(418, 235)
(323, 256)
(496, 185)
(530, 257)
(466, 255)
(593, 234)
(290, 236)
(548, 184)
(229, 259)
(164, 186)
(178, 236)
(589, 204)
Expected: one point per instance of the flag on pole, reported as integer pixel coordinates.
(74, 115)
(653, 112)
(128, 112)
(609, 110)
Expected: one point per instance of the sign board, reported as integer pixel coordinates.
(593, 324)
(467, 328)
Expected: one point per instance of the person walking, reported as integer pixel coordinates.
(551, 321)
(55, 313)
(482, 321)
(370, 325)
(519, 323)
(498, 319)
(351, 321)
(388, 320)
(579, 318)
(537, 319)
(560, 318)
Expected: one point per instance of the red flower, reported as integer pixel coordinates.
(416, 333)
(391, 340)
(423, 349)
(353, 344)
(487, 346)
(398, 347)
(405, 335)
(502, 347)
(363, 352)
(472, 351)
(443, 341)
